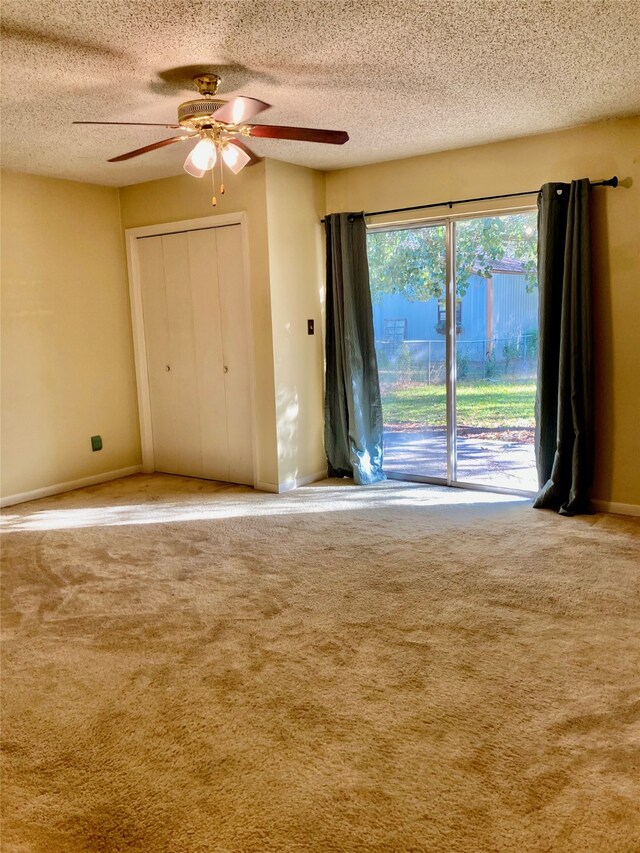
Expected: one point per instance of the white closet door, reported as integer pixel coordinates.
(183, 357)
(156, 331)
(235, 344)
(197, 353)
(209, 365)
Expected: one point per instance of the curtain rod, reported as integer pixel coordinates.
(610, 182)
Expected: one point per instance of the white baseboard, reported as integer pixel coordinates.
(69, 486)
(312, 478)
(267, 487)
(618, 508)
(288, 485)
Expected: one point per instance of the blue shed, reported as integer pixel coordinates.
(495, 317)
(491, 313)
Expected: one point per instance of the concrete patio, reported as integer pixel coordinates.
(488, 462)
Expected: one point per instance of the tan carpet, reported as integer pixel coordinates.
(192, 667)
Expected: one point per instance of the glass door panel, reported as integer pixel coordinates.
(496, 350)
(407, 269)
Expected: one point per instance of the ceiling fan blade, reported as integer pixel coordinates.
(129, 123)
(301, 134)
(146, 148)
(254, 157)
(239, 110)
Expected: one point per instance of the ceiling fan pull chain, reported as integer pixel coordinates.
(214, 200)
(221, 178)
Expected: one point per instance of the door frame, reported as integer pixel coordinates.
(137, 322)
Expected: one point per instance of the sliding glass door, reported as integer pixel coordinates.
(496, 350)
(456, 327)
(407, 268)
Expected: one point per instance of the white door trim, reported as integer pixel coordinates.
(137, 321)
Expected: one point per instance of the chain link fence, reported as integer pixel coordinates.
(423, 362)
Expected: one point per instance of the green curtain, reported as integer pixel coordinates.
(352, 409)
(564, 420)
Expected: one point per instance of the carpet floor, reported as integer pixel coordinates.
(190, 666)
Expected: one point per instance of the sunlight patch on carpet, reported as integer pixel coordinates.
(205, 506)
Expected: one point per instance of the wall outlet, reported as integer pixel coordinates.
(96, 442)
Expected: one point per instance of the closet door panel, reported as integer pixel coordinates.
(207, 331)
(235, 345)
(156, 331)
(183, 357)
(198, 357)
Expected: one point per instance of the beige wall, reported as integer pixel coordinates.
(295, 205)
(184, 197)
(595, 151)
(67, 370)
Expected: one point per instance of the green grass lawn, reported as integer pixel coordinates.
(479, 404)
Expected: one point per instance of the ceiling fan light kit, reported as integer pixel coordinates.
(201, 159)
(217, 124)
(235, 158)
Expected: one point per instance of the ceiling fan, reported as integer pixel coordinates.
(218, 124)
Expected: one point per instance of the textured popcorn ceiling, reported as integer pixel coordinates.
(402, 78)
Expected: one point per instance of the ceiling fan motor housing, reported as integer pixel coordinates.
(199, 113)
